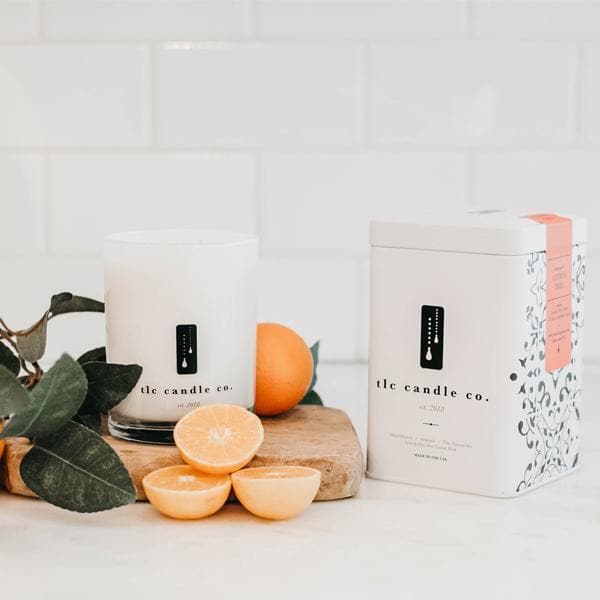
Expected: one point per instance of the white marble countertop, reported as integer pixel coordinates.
(393, 540)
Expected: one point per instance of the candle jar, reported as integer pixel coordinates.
(182, 304)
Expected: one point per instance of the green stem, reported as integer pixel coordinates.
(9, 331)
(6, 334)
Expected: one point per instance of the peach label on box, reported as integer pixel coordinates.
(559, 244)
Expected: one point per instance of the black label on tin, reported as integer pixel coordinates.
(186, 349)
(432, 337)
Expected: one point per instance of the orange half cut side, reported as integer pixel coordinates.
(181, 492)
(218, 438)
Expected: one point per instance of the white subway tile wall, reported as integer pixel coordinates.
(147, 19)
(296, 119)
(103, 192)
(318, 298)
(484, 93)
(319, 204)
(18, 19)
(257, 95)
(534, 19)
(361, 19)
(23, 206)
(590, 93)
(74, 95)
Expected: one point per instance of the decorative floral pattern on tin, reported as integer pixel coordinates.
(550, 401)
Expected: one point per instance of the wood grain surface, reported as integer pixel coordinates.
(312, 436)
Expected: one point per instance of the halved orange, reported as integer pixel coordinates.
(276, 492)
(183, 493)
(218, 438)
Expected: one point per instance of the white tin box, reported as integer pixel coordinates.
(464, 389)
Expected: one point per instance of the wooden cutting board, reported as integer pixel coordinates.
(312, 436)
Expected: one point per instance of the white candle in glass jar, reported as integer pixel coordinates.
(182, 304)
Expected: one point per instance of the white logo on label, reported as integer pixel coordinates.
(436, 339)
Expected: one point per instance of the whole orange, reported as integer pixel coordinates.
(284, 369)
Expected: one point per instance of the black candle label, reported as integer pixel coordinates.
(432, 337)
(187, 362)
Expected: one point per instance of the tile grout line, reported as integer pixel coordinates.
(469, 170)
(256, 29)
(360, 272)
(277, 256)
(209, 42)
(153, 93)
(41, 22)
(349, 149)
(362, 283)
(258, 203)
(578, 93)
(470, 32)
(47, 204)
(366, 94)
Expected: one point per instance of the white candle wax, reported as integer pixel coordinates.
(182, 304)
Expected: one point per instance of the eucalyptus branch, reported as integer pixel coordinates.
(27, 331)
(25, 366)
(28, 345)
(34, 377)
(6, 335)
(9, 331)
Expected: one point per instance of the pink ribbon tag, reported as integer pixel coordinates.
(559, 267)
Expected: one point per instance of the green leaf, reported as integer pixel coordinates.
(95, 355)
(314, 350)
(32, 342)
(312, 398)
(54, 401)
(13, 396)
(77, 470)
(93, 422)
(65, 302)
(9, 360)
(57, 299)
(108, 384)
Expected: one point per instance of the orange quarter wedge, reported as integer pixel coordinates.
(218, 438)
(183, 493)
(276, 492)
